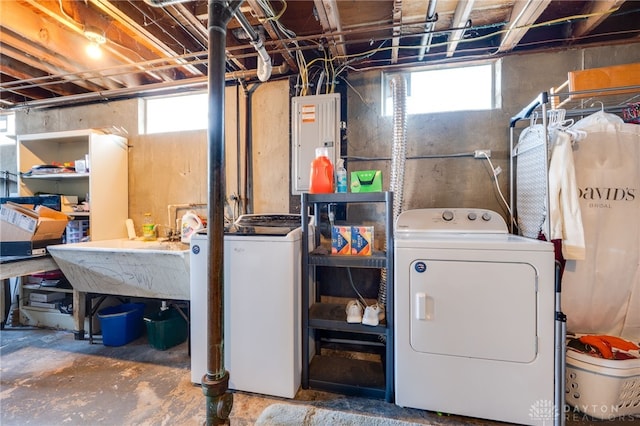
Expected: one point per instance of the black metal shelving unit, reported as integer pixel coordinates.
(346, 375)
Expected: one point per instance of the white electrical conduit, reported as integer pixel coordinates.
(398, 159)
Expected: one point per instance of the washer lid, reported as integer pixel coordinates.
(265, 224)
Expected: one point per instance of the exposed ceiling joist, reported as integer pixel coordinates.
(68, 41)
(330, 20)
(152, 49)
(460, 22)
(524, 14)
(51, 62)
(397, 30)
(141, 33)
(599, 11)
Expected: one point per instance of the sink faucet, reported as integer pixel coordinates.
(171, 233)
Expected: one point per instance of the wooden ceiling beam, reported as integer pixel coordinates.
(524, 14)
(24, 74)
(460, 19)
(599, 8)
(71, 42)
(329, 16)
(50, 62)
(141, 36)
(397, 30)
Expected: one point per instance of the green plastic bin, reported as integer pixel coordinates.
(166, 329)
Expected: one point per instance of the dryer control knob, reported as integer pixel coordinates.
(486, 216)
(472, 216)
(447, 215)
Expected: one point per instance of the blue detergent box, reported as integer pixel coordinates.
(361, 240)
(341, 240)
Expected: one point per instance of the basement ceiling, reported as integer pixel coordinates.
(160, 46)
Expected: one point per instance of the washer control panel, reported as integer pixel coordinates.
(462, 220)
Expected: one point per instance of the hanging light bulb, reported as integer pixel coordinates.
(96, 38)
(93, 50)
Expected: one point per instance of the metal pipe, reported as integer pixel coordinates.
(215, 383)
(248, 169)
(264, 60)
(432, 17)
(195, 83)
(162, 3)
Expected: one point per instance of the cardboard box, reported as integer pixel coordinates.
(341, 240)
(361, 240)
(23, 230)
(366, 181)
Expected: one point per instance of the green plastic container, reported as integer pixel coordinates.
(166, 329)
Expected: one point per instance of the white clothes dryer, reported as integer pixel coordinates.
(474, 317)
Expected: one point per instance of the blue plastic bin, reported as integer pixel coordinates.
(121, 324)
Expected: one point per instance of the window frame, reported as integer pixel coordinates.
(145, 114)
(386, 91)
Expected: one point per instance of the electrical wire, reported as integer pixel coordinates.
(496, 172)
(279, 15)
(475, 39)
(364, 302)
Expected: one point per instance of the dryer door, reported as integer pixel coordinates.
(474, 309)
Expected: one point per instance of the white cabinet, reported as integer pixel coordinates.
(104, 185)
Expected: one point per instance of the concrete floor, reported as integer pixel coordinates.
(48, 378)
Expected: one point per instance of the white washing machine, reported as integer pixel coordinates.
(474, 317)
(261, 304)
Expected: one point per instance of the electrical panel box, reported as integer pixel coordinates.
(315, 122)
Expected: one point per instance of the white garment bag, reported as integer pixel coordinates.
(601, 294)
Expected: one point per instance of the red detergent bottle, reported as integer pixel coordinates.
(321, 179)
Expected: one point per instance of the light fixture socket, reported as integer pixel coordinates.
(95, 35)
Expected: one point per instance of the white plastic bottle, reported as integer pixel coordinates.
(341, 177)
(191, 223)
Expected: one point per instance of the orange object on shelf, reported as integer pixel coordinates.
(604, 78)
(321, 180)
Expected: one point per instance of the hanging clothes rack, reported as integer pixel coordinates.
(576, 104)
(581, 103)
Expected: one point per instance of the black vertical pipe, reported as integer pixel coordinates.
(215, 382)
(248, 181)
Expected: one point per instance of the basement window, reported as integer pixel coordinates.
(7, 129)
(175, 113)
(469, 88)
